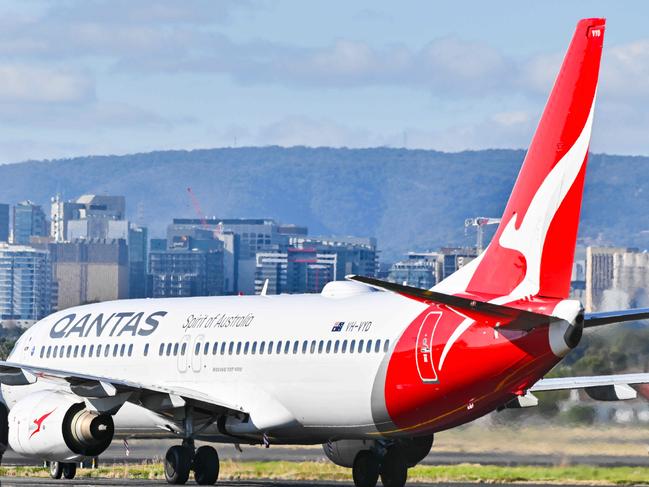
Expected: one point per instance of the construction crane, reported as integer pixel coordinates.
(480, 222)
(199, 212)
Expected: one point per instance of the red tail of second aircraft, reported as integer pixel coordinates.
(532, 252)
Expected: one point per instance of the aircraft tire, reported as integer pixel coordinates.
(206, 466)
(69, 470)
(365, 471)
(56, 470)
(178, 462)
(394, 470)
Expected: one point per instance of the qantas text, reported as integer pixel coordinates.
(104, 324)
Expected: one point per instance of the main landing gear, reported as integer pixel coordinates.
(368, 467)
(61, 469)
(180, 460)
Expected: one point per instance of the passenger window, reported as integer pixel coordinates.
(98, 351)
(360, 346)
(91, 349)
(320, 346)
(83, 351)
(270, 348)
(261, 348)
(368, 349)
(176, 347)
(287, 346)
(231, 348)
(344, 347)
(386, 346)
(238, 348)
(254, 348)
(296, 345)
(336, 346)
(377, 346)
(146, 349)
(130, 350)
(197, 348)
(305, 345)
(42, 351)
(352, 346)
(215, 348)
(183, 349)
(107, 350)
(49, 349)
(76, 351)
(222, 348)
(162, 349)
(69, 352)
(279, 347)
(312, 346)
(328, 346)
(245, 348)
(206, 348)
(56, 349)
(115, 350)
(169, 345)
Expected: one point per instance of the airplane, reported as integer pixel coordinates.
(370, 369)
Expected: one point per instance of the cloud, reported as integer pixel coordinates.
(33, 84)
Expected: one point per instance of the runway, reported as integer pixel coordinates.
(10, 482)
(140, 451)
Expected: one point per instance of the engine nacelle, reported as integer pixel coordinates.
(56, 426)
(343, 452)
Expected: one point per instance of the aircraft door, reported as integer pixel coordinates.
(183, 353)
(424, 355)
(196, 353)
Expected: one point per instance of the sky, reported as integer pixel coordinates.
(121, 76)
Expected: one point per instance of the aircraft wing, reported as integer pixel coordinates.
(155, 397)
(600, 387)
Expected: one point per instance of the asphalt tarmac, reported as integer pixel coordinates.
(10, 482)
(150, 450)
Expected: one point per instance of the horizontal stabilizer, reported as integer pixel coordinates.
(608, 317)
(512, 318)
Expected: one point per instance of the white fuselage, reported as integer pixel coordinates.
(293, 362)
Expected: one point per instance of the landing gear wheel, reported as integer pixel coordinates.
(206, 466)
(69, 470)
(394, 471)
(56, 470)
(365, 470)
(178, 462)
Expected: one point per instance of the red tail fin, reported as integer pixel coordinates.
(533, 249)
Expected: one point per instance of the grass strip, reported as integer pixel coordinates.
(281, 470)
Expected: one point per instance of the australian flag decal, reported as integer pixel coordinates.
(338, 326)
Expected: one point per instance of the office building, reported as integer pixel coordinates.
(616, 278)
(138, 239)
(90, 270)
(4, 222)
(306, 264)
(184, 272)
(420, 270)
(453, 258)
(25, 284)
(89, 216)
(28, 220)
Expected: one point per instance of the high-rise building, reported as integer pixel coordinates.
(184, 272)
(306, 264)
(4, 222)
(137, 260)
(90, 270)
(420, 270)
(25, 284)
(89, 216)
(28, 220)
(616, 278)
(453, 258)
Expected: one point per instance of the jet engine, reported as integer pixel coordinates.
(343, 452)
(56, 426)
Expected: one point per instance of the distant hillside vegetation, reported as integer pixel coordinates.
(408, 199)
